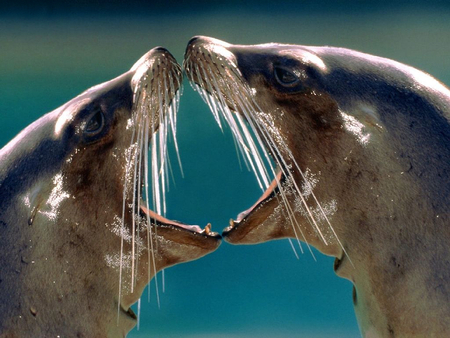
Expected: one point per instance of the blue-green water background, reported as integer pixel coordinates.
(50, 53)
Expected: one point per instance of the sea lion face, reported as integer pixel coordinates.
(300, 125)
(76, 231)
(360, 145)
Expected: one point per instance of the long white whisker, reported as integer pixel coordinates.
(293, 248)
(228, 117)
(149, 230)
(133, 228)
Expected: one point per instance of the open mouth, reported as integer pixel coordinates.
(162, 222)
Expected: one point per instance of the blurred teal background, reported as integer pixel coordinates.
(51, 51)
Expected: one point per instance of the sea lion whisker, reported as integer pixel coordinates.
(124, 196)
(154, 168)
(172, 113)
(293, 248)
(164, 173)
(255, 152)
(210, 101)
(228, 117)
(212, 106)
(136, 180)
(172, 107)
(244, 139)
(254, 160)
(204, 95)
(134, 211)
(138, 324)
(211, 88)
(248, 111)
(169, 163)
(164, 118)
(166, 160)
(161, 147)
(294, 223)
(137, 193)
(150, 246)
(170, 126)
(247, 142)
(139, 180)
(207, 98)
(177, 98)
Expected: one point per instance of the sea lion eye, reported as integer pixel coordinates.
(285, 77)
(95, 123)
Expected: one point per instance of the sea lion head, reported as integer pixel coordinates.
(360, 145)
(79, 242)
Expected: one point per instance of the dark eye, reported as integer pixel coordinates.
(285, 77)
(95, 124)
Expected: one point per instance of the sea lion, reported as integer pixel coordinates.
(362, 147)
(78, 243)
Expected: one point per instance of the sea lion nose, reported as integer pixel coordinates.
(194, 39)
(160, 49)
(205, 40)
(200, 39)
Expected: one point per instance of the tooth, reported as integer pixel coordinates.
(208, 228)
(231, 223)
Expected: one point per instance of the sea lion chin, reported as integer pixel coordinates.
(362, 151)
(78, 242)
